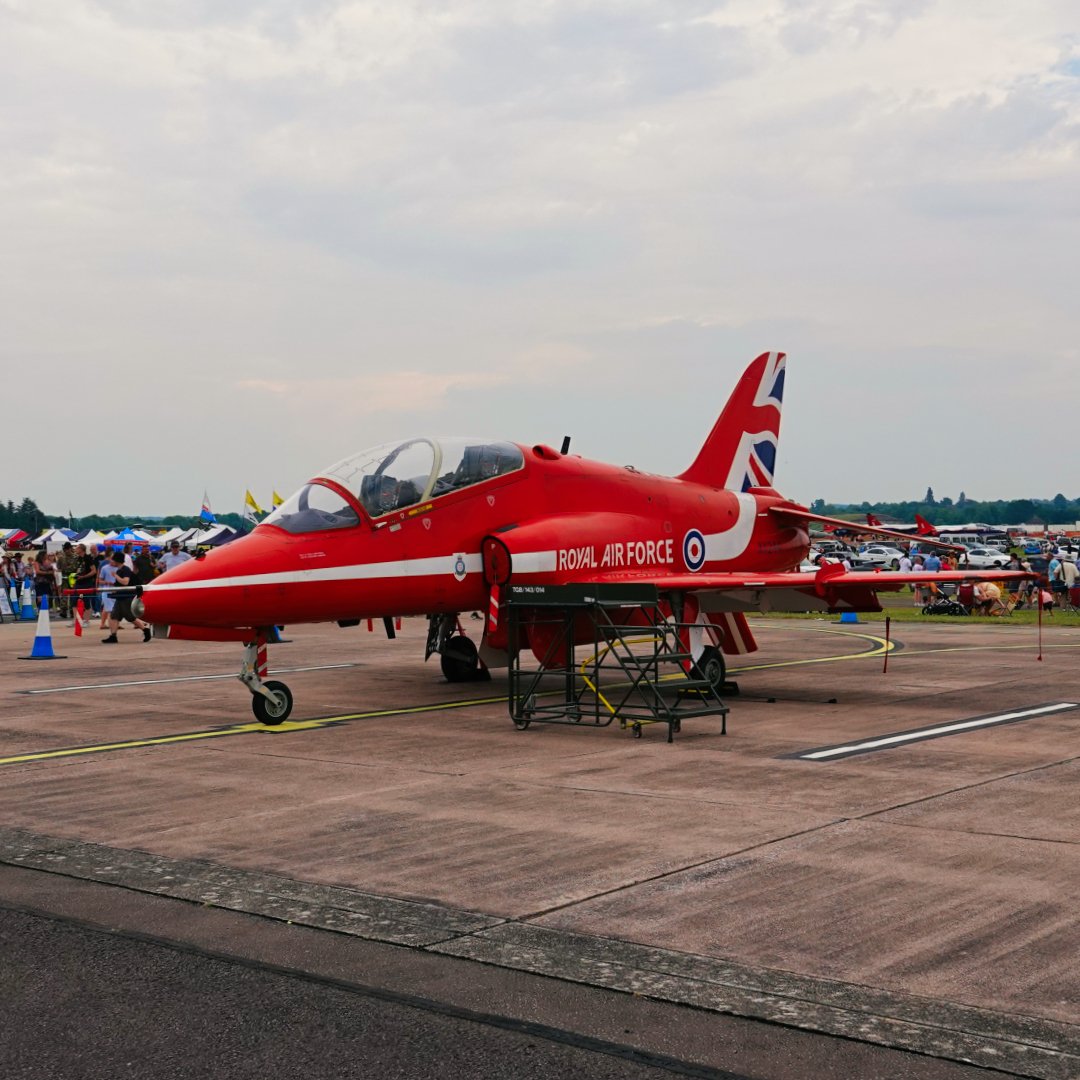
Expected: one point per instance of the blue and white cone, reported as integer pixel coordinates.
(43, 647)
(26, 603)
(13, 596)
(849, 616)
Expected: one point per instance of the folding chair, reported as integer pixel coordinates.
(1000, 606)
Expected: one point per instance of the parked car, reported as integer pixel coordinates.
(881, 555)
(854, 560)
(985, 558)
(824, 547)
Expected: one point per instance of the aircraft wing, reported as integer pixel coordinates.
(798, 513)
(827, 589)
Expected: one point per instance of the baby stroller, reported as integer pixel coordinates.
(945, 605)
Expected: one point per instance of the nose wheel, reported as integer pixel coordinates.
(273, 705)
(271, 701)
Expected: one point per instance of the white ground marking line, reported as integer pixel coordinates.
(181, 678)
(944, 729)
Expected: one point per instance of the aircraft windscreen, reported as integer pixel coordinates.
(398, 475)
(314, 508)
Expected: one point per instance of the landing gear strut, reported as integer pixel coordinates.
(271, 702)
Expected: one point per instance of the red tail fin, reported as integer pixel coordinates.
(871, 520)
(740, 451)
(923, 527)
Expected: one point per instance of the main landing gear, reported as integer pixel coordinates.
(271, 701)
(458, 655)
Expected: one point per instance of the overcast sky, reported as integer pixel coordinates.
(243, 238)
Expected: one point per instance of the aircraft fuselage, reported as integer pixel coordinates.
(559, 518)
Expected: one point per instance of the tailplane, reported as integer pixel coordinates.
(740, 452)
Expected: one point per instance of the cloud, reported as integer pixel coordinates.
(302, 225)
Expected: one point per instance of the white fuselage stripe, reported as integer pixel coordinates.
(529, 562)
(400, 568)
(930, 733)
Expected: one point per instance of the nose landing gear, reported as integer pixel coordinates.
(271, 701)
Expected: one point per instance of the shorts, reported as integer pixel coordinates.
(121, 608)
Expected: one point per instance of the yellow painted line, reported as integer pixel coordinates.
(255, 728)
(987, 648)
(881, 647)
(241, 729)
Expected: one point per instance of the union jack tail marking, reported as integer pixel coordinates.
(740, 452)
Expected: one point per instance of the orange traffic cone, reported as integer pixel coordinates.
(80, 617)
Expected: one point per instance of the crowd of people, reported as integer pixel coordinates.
(103, 579)
(1056, 582)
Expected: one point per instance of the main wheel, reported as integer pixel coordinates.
(273, 712)
(459, 660)
(711, 667)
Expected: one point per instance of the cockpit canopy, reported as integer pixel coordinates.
(395, 476)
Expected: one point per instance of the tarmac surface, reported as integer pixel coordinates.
(903, 903)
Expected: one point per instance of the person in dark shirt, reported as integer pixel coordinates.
(85, 578)
(44, 576)
(126, 578)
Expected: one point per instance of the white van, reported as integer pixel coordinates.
(970, 539)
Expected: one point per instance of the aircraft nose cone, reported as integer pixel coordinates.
(213, 590)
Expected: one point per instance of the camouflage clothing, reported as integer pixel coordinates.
(68, 565)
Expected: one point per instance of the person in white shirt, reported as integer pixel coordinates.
(1068, 573)
(173, 557)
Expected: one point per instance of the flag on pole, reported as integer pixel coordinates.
(251, 511)
(206, 514)
(277, 499)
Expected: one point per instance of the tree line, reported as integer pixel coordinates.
(29, 517)
(1056, 511)
(1059, 510)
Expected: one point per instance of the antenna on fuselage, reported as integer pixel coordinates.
(565, 445)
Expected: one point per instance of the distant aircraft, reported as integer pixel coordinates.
(438, 526)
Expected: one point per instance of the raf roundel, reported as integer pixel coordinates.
(693, 550)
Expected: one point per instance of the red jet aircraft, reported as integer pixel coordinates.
(436, 526)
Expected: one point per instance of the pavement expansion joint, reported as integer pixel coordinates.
(1024, 1045)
